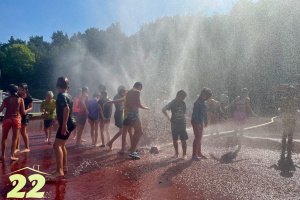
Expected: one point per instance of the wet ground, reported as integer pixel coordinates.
(97, 173)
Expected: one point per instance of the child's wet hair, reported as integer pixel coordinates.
(96, 95)
(137, 85)
(103, 94)
(50, 94)
(121, 91)
(206, 91)
(62, 82)
(24, 86)
(101, 87)
(13, 90)
(85, 89)
(181, 93)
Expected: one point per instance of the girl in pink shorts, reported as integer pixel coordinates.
(12, 119)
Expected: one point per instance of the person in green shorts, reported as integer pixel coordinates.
(48, 106)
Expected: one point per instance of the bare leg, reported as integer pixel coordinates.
(65, 159)
(14, 143)
(118, 134)
(92, 131)
(138, 131)
(79, 133)
(107, 129)
(17, 147)
(4, 142)
(175, 144)
(124, 134)
(96, 132)
(25, 138)
(59, 147)
(102, 132)
(49, 135)
(184, 147)
(130, 131)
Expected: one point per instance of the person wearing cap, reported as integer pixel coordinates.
(48, 106)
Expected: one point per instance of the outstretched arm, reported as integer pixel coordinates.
(140, 104)
(114, 101)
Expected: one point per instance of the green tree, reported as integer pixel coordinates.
(17, 64)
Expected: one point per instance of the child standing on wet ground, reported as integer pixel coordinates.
(199, 121)
(93, 110)
(48, 106)
(66, 121)
(82, 114)
(241, 105)
(104, 122)
(76, 109)
(178, 121)
(12, 119)
(28, 103)
(288, 109)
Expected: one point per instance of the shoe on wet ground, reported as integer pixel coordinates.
(135, 156)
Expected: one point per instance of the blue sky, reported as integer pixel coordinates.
(23, 18)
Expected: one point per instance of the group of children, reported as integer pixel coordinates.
(126, 117)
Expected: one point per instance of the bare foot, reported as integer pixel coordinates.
(17, 150)
(184, 157)
(14, 158)
(175, 156)
(83, 140)
(25, 151)
(74, 138)
(109, 145)
(202, 156)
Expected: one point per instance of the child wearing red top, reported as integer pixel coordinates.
(12, 119)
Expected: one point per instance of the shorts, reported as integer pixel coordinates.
(81, 119)
(71, 127)
(13, 122)
(179, 129)
(127, 122)
(118, 120)
(47, 123)
(133, 115)
(25, 120)
(239, 116)
(92, 119)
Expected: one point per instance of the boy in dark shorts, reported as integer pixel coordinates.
(66, 121)
(104, 122)
(178, 122)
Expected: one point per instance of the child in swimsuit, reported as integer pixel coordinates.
(92, 106)
(242, 107)
(28, 103)
(12, 119)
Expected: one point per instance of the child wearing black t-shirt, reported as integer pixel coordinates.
(178, 122)
(64, 111)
